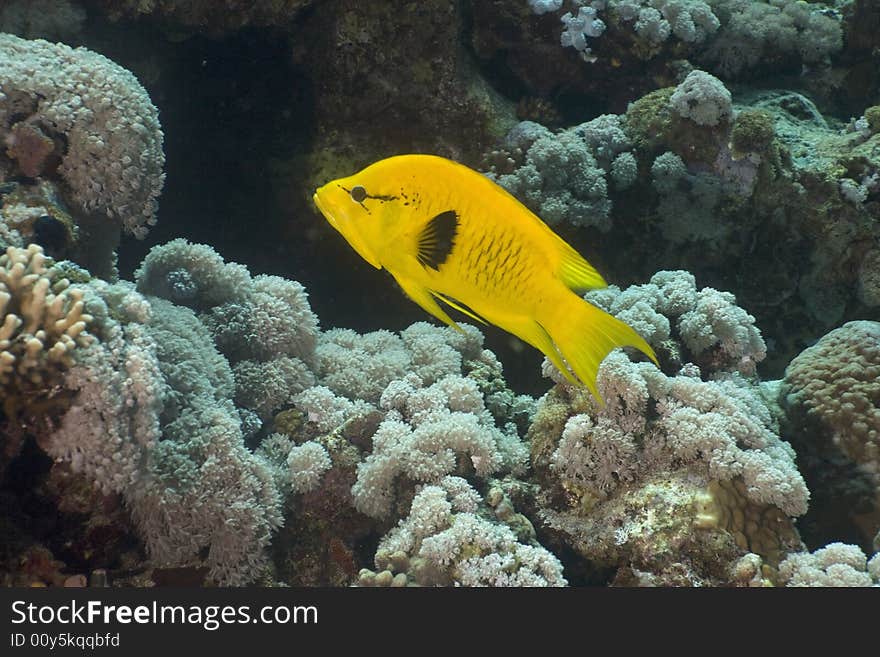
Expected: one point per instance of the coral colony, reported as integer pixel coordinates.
(717, 160)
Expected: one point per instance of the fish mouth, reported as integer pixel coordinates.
(317, 199)
(354, 240)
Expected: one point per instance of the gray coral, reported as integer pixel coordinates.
(104, 126)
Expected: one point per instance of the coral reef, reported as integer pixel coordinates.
(770, 33)
(171, 417)
(700, 460)
(564, 176)
(426, 429)
(154, 387)
(424, 94)
(150, 412)
(694, 174)
(745, 39)
(705, 327)
(163, 394)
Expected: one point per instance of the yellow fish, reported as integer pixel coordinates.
(447, 233)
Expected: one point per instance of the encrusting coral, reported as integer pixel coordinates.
(831, 398)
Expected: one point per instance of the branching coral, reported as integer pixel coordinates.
(42, 323)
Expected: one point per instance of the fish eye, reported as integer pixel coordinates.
(358, 194)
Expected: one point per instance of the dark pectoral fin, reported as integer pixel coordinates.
(437, 239)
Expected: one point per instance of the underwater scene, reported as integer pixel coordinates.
(400, 293)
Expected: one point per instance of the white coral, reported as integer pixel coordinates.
(834, 565)
(716, 321)
(308, 463)
(425, 433)
(721, 429)
(703, 99)
(709, 323)
(457, 546)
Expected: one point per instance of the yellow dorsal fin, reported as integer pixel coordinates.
(460, 308)
(575, 272)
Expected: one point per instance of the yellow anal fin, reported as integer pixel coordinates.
(460, 308)
(422, 296)
(541, 340)
(575, 272)
(530, 331)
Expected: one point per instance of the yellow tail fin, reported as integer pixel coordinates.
(584, 335)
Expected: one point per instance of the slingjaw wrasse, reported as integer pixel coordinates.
(450, 235)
